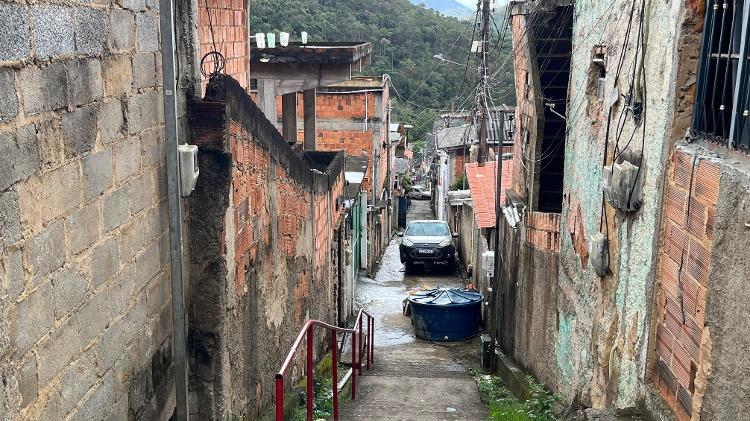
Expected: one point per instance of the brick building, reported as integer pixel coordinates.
(86, 278)
(623, 301)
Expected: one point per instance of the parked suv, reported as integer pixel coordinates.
(427, 242)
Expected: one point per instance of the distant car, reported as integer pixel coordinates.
(427, 242)
(420, 193)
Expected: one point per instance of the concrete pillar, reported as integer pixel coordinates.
(289, 117)
(309, 111)
(267, 97)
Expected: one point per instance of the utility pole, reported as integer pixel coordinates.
(483, 94)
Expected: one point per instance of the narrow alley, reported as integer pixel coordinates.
(412, 379)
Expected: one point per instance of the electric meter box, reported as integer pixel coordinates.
(622, 188)
(188, 168)
(488, 262)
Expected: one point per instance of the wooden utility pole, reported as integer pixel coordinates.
(483, 93)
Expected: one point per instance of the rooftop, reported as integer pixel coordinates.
(482, 181)
(360, 82)
(314, 53)
(453, 137)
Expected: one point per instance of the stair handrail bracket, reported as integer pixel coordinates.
(359, 345)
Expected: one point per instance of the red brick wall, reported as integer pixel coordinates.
(681, 294)
(543, 231)
(230, 25)
(250, 183)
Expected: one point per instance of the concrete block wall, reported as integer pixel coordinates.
(229, 21)
(85, 319)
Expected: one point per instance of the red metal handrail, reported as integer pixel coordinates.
(307, 332)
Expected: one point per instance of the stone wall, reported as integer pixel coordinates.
(85, 319)
(267, 225)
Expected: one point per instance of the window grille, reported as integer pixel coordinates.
(723, 90)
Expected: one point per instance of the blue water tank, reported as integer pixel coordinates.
(445, 314)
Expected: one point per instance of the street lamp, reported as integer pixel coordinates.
(442, 58)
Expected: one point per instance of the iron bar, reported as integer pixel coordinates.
(335, 375)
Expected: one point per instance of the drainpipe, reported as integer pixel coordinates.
(171, 140)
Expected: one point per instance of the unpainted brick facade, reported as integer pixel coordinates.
(268, 226)
(85, 320)
(223, 27)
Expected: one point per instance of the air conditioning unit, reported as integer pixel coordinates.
(622, 189)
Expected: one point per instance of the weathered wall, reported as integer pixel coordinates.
(85, 320)
(728, 303)
(269, 260)
(604, 324)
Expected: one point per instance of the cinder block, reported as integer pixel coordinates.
(118, 75)
(69, 286)
(144, 111)
(111, 121)
(94, 316)
(115, 340)
(14, 44)
(121, 30)
(35, 316)
(132, 239)
(105, 262)
(115, 209)
(50, 140)
(8, 96)
(147, 27)
(120, 289)
(10, 218)
(43, 89)
(99, 402)
(141, 192)
(46, 251)
(82, 228)
(19, 157)
(61, 191)
(12, 274)
(27, 382)
(97, 173)
(52, 28)
(151, 148)
(79, 131)
(75, 381)
(57, 351)
(90, 31)
(136, 5)
(127, 158)
(147, 265)
(144, 70)
(85, 80)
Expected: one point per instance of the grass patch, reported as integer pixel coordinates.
(322, 393)
(503, 406)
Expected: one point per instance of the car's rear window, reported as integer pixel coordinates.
(432, 229)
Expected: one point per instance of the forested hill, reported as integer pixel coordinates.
(405, 38)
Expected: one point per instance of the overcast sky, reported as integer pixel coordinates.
(472, 4)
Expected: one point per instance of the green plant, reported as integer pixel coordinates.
(460, 183)
(407, 182)
(503, 406)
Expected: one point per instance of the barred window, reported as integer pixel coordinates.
(723, 91)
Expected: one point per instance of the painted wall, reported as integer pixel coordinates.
(608, 317)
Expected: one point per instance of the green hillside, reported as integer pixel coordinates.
(405, 38)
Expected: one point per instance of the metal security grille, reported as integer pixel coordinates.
(723, 92)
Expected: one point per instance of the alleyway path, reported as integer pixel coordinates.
(412, 379)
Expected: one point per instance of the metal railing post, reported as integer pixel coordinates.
(310, 374)
(354, 366)
(361, 345)
(279, 398)
(372, 340)
(335, 374)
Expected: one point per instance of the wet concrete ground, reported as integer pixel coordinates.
(412, 379)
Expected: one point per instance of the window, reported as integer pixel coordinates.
(723, 91)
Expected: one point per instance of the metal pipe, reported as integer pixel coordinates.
(309, 374)
(171, 140)
(354, 366)
(335, 375)
(359, 349)
(279, 398)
